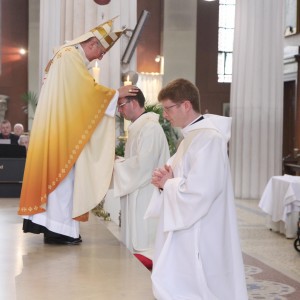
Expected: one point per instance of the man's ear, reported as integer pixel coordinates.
(135, 103)
(91, 44)
(187, 105)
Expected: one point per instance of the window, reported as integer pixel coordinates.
(225, 40)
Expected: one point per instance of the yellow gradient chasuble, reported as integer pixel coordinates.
(69, 126)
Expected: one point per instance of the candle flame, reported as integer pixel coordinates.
(96, 64)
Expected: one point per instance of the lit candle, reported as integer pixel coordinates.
(127, 82)
(96, 73)
(126, 122)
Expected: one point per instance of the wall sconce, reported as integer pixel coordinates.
(157, 58)
(160, 58)
(22, 51)
(12, 54)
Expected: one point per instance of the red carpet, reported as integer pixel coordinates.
(144, 260)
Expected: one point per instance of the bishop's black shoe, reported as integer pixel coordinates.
(62, 240)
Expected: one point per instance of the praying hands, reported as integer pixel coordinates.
(161, 175)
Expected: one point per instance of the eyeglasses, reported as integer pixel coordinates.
(166, 109)
(121, 105)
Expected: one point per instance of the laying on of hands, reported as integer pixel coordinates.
(129, 90)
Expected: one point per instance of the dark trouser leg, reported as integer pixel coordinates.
(50, 237)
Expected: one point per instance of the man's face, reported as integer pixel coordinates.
(18, 130)
(125, 108)
(5, 129)
(174, 113)
(94, 50)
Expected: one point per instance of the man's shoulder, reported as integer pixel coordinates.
(151, 123)
(67, 49)
(67, 53)
(152, 129)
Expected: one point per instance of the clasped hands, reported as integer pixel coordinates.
(161, 175)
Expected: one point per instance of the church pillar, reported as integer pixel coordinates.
(256, 103)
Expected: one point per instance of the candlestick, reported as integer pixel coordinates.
(96, 73)
(126, 122)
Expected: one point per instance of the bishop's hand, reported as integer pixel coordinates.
(127, 90)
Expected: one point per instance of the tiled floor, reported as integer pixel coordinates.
(269, 247)
(101, 268)
(258, 241)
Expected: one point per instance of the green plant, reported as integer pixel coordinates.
(120, 149)
(31, 100)
(170, 132)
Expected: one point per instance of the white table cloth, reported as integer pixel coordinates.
(281, 202)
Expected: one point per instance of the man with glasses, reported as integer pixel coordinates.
(197, 251)
(71, 152)
(146, 149)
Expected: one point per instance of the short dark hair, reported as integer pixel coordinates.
(5, 122)
(139, 97)
(180, 90)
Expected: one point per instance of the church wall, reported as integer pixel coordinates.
(149, 45)
(13, 77)
(213, 94)
(13, 81)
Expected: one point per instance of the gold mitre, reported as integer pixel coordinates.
(103, 33)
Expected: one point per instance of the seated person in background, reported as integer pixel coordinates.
(18, 129)
(6, 134)
(24, 140)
